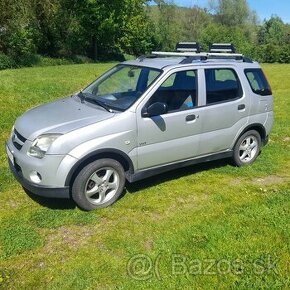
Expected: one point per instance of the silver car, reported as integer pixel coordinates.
(142, 118)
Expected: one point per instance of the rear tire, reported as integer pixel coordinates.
(99, 184)
(247, 148)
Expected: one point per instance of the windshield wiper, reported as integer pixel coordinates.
(101, 104)
(83, 98)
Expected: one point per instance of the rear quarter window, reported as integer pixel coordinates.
(258, 82)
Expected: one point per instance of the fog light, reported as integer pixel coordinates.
(35, 177)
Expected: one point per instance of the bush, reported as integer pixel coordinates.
(284, 54)
(29, 60)
(6, 62)
(81, 59)
(49, 61)
(20, 46)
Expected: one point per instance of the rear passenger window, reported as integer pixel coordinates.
(222, 85)
(258, 82)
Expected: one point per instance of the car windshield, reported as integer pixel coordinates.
(120, 87)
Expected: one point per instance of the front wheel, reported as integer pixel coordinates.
(99, 184)
(247, 148)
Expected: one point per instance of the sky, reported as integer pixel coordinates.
(264, 8)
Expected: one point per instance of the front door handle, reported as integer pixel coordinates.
(190, 118)
(241, 107)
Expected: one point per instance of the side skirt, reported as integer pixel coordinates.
(142, 174)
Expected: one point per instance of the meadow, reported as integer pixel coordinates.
(208, 226)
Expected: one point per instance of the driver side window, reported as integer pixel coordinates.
(178, 91)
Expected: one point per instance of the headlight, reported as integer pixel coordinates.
(41, 144)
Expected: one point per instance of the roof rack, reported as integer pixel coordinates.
(188, 46)
(190, 51)
(222, 48)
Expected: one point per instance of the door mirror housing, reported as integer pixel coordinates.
(155, 109)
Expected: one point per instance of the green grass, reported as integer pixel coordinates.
(211, 226)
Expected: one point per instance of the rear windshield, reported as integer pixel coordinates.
(258, 82)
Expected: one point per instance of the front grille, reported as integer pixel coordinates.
(18, 140)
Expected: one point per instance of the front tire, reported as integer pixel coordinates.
(99, 184)
(247, 148)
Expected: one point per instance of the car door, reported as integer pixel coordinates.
(225, 109)
(175, 135)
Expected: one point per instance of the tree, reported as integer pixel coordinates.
(194, 21)
(273, 31)
(231, 12)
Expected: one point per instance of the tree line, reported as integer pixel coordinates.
(95, 30)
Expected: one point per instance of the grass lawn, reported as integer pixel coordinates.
(211, 226)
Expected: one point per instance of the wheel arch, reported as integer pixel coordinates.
(257, 127)
(115, 154)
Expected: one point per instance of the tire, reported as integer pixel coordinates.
(247, 148)
(99, 184)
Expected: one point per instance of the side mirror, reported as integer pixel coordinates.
(155, 109)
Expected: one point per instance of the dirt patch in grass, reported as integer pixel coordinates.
(69, 237)
(148, 245)
(270, 180)
(236, 182)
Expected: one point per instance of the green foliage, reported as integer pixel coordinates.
(75, 31)
(273, 31)
(225, 34)
(66, 29)
(232, 12)
(6, 61)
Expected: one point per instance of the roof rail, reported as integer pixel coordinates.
(143, 57)
(203, 56)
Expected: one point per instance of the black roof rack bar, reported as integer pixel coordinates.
(188, 46)
(222, 47)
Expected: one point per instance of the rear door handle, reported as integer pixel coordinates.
(190, 118)
(241, 107)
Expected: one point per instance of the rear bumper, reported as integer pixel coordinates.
(39, 190)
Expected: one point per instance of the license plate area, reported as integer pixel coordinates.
(10, 155)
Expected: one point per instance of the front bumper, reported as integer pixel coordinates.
(39, 190)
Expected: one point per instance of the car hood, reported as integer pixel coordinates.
(61, 116)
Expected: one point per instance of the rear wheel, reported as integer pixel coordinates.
(99, 184)
(247, 148)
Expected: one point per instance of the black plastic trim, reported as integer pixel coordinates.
(253, 127)
(94, 154)
(158, 170)
(19, 136)
(63, 192)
